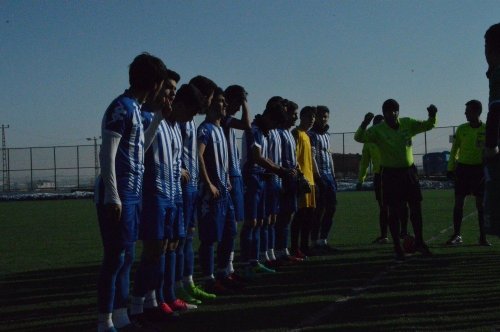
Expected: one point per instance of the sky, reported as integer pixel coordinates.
(63, 62)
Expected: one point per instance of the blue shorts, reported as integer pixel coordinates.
(327, 190)
(237, 197)
(255, 195)
(216, 217)
(190, 199)
(177, 229)
(156, 216)
(288, 198)
(121, 234)
(273, 190)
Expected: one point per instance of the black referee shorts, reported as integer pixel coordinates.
(469, 180)
(400, 185)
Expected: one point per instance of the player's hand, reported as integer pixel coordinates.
(432, 110)
(368, 118)
(215, 192)
(450, 175)
(185, 176)
(292, 172)
(359, 186)
(113, 212)
(157, 99)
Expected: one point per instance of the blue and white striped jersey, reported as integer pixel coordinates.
(253, 137)
(123, 117)
(190, 154)
(288, 149)
(232, 145)
(216, 155)
(175, 137)
(320, 144)
(158, 162)
(274, 151)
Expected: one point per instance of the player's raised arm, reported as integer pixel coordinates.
(360, 136)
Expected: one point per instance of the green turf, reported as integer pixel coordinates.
(50, 256)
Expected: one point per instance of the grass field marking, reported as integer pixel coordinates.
(358, 291)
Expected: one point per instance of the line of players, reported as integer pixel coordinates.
(160, 173)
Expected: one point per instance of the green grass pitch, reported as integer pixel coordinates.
(50, 255)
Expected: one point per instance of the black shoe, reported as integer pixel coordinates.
(484, 243)
(424, 250)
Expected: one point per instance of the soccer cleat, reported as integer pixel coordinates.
(179, 305)
(140, 322)
(455, 240)
(199, 293)
(235, 276)
(217, 287)
(231, 283)
(299, 254)
(381, 240)
(182, 294)
(423, 249)
(162, 313)
(273, 265)
(260, 268)
(484, 243)
(291, 259)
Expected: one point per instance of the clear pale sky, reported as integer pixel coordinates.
(62, 62)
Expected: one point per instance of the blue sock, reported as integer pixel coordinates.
(168, 287)
(179, 259)
(206, 255)
(123, 279)
(106, 287)
(160, 282)
(188, 256)
(271, 236)
(264, 238)
(255, 245)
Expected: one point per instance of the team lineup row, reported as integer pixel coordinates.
(160, 173)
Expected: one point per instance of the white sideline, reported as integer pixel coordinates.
(312, 320)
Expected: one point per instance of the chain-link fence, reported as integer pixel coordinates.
(70, 168)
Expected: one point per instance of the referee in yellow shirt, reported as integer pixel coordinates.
(399, 176)
(466, 168)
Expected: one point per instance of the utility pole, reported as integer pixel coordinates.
(5, 162)
(96, 154)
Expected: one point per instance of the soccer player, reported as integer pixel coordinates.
(161, 226)
(236, 98)
(370, 153)
(119, 186)
(288, 197)
(466, 168)
(301, 223)
(255, 163)
(216, 219)
(492, 176)
(398, 172)
(326, 186)
(273, 191)
(190, 177)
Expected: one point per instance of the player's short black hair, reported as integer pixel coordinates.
(145, 71)
(276, 101)
(235, 92)
(389, 105)
(292, 106)
(275, 110)
(321, 109)
(190, 96)
(492, 37)
(307, 110)
(475, 104)
(204, 84)
(172, 75)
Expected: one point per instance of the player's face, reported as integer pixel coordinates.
(391, 116)
(323, 119)
(219, 106)
(472, 114)
(293, 117)
(170, 88)
(307, 120)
